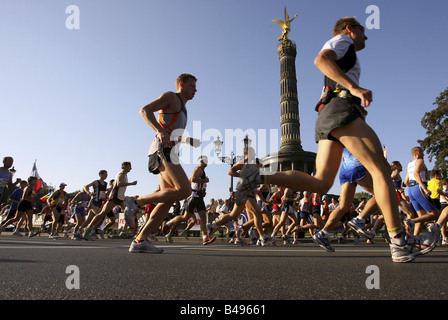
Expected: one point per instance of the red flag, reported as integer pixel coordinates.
(40, 183)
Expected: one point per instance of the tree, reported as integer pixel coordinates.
(436, 124)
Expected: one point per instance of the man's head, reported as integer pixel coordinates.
(350, 27)
(435, 173)
(186, 84)
(103, 174)
(32, 181)
(203, 161)
(7, 162)
(396, 165)
(126, 166)
(417, 152)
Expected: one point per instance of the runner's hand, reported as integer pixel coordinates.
(164, 138)
(364, 94)
(195, 142)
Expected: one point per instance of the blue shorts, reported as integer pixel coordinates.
(351, 174)
(80, 210)
(418, 200)
(304, 214)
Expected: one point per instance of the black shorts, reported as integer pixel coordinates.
(117, 201)
(97, 203)
(195, 203)
(24, 206)
(337, 113)
(167, 154)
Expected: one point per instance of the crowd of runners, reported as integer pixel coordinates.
(413, 224)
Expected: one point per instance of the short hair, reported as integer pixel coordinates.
(183, 78)
(435, 172)
(415, 150)
(32, 178)
(125, 163)
(341, 24)
(102, 171)
(394, 164)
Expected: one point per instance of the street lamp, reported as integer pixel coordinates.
(232, 159)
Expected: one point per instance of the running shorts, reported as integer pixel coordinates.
(24, 206)
(195, 203)
(336, 113)
(418, 200)
(167, 154)
(351, 174)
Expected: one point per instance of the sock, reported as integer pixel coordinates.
(204, 237)
(140, 202)
(140, 238)
(396, 236)
(361, 219)
(324, 232)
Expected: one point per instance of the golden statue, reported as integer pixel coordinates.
(286, 25)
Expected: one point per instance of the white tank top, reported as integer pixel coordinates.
(411, 172)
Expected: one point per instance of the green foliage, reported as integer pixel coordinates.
(359, 195)
(436, 124)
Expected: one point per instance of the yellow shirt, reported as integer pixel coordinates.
(434, 185)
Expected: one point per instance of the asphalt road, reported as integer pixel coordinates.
(40, 268)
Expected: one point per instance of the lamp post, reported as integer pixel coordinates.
(232, 159)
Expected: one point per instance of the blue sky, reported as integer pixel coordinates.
(70, 98)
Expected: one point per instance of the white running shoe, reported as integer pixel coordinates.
(323, 240)
(415, 245)
(360, 228)
(144, 246)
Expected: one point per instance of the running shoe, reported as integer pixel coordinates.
(208, 240)
(184, 234)
(249, 178)
(360, 228)
(145, 246)
(17, 233)
(32, 234)
(265, 242)
(212, 228)
(93, 236)
(323, 241)
(169, 238)
(86, 233)
(415, 245)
